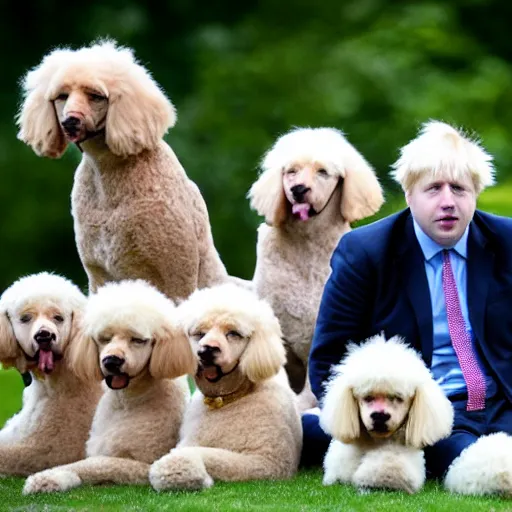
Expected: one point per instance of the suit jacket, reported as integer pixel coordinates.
(379, 284)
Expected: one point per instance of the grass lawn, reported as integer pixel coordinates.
(303, 493)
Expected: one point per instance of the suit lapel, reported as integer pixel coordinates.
(412, 267)
(479, 271)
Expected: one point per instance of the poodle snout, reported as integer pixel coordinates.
(44, 338)
(380, 419)
(207, 354)
(72, 125)
(299, 191)
(113, 364)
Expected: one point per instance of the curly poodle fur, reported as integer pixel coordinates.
(382, 407)
(136, 213)
(240, 354)
(313, 184)
(39, 324)
(132, 339)
(484, 467)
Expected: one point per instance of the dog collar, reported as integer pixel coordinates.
(217, 402)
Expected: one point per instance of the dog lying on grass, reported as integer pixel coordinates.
(242, 423)
(39, 323)
(131, 339)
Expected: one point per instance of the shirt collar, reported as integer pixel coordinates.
(431, 248)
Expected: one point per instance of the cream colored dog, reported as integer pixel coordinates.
(39, 323)
(242, 423)
(136, 213)
(382, 407)
(132, 340)
(313, 185)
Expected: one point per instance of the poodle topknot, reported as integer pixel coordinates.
(443, 150)
(43, 288)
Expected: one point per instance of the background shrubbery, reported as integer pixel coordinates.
(240, 74)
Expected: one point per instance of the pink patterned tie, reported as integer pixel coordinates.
(461, 340)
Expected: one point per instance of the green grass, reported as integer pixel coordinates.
(303, 493)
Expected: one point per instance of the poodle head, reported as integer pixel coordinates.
(39, 317)
(130, 330)
(302, 171)
(381, 386)
(230, 329)
(74, 95)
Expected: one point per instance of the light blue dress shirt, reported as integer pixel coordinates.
(445, 365)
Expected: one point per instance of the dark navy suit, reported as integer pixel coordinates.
(378, 284)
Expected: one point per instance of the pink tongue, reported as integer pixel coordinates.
(119, 381)
(210, 372)
(45, 361)
(302, 210)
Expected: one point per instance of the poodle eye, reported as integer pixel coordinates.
(63, 96)
(95, 97)
(291, 172)
(58, 318)
(368, 399)
(323, 173)
(234, 334)
(397, 399)
(197, 335)
(25, 319)
(139, 341)
(104, 339)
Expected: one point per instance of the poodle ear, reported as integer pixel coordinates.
(37, 119)
(264, 355)
(430, 416)
(340, 412)
(8, 344)
(267, 197)
(362, 194)
(139, 114)
(83, 357)
(172, 355)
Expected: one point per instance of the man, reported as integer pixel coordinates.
(440, 275)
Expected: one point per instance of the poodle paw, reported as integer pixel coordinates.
(183, 469)
(51, 480)
(391, 470)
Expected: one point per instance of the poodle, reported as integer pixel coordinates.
(313, 185)
(136, 213)
(382, 407)
(132, 340)
(39, 324)
(243, 422)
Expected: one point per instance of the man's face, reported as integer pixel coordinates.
(442, 207)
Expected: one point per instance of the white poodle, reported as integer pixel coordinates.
(136, 213)
(131, 338)
(313, 185)
(39, 323)
(242, 423)
(382, 407)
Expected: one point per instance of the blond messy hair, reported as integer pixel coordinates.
(444, 152)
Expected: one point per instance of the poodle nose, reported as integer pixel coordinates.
(44, 338)
(71, 124)
(299, 191)
(207, 354)
(113, 363)
(380, 417)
